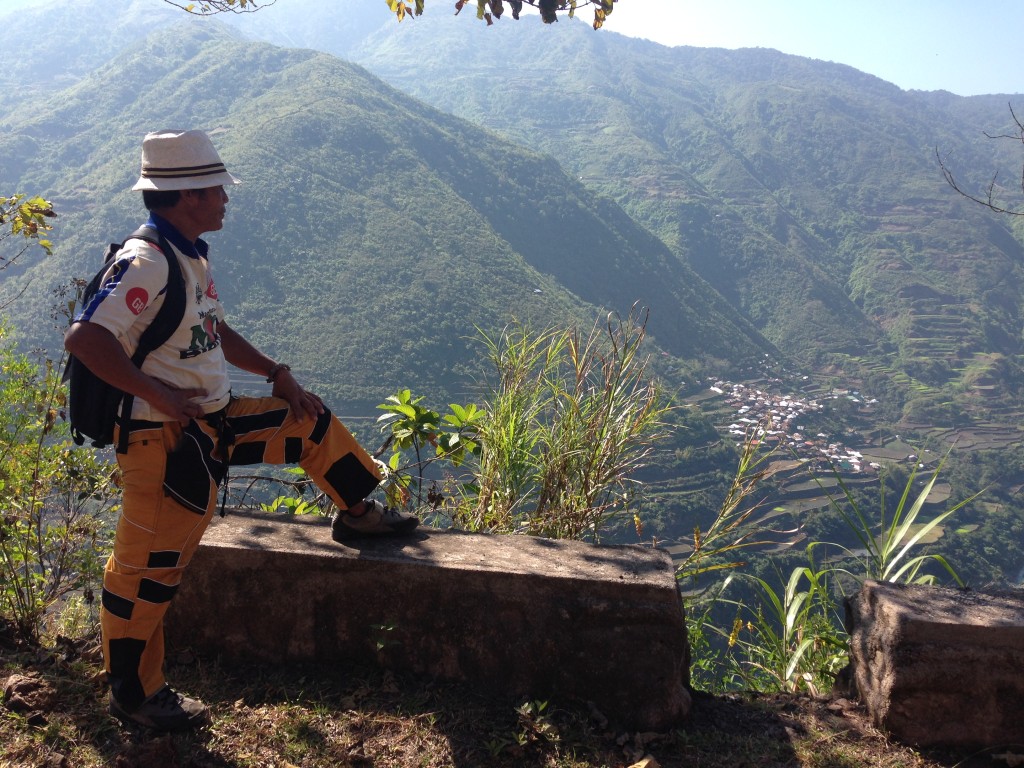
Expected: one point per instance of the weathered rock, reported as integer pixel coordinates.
(516, 615)
(940, 667)
(29, 693)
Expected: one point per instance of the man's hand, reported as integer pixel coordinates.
(304, 404)
(241, 354)
(177, 403)
(103, 354)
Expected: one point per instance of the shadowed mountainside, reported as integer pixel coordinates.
(372, 234)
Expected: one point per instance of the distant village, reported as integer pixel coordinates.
(777, 420)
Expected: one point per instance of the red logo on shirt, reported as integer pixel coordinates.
(211, 290)
(136, 299)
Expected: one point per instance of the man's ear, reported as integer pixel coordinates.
(190, 197)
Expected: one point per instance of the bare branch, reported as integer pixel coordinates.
(989, 199)
(5, 304)
(6, 261)
(1020, 129)
(211, 7)
(487, 10)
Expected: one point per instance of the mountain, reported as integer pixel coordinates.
(807, 193)
(46, 49)
(372, 235)
(800, 199)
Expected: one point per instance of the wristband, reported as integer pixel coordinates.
(275, 369)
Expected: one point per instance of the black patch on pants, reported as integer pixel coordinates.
(190, 467)
(323, 422)
(292, 450)
(248, 453)
(254, 422)
(125, 655)
(350, 479)
(117, 605)
(164, 559)
(155, 592)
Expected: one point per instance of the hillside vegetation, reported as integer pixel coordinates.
(807, 193)
(799, 198)
(372, 235)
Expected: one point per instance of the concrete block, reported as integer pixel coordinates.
(940, 667)
(516, 615)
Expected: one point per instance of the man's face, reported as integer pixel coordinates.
(208, 207)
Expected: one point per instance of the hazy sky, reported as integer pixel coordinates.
(964, 46)
(968, 47)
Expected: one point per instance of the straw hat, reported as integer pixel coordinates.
(181, 160)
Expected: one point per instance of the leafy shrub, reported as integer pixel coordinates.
(55, 499)
(791, 637)
(569, 420)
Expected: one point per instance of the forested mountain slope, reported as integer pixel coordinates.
(806, 192)
(372, 235)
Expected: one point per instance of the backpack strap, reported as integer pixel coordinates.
(164, 324)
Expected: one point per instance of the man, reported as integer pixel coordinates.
(186, 426)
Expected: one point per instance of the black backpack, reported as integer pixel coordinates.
(93, 405)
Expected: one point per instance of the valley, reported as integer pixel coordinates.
(821, 442)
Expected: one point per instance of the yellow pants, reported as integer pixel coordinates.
(171, 475)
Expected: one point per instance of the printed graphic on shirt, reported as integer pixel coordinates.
(211, 291)
(204, 336)
(136, 299)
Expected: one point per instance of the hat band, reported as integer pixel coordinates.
(181, 173)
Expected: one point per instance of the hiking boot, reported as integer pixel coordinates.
(165, 710)
(377, 520)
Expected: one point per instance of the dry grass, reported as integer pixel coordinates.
(287, 717)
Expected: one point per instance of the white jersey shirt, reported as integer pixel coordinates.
(132, 292)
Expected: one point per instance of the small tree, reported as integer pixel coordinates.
(568, 421)
(24, 221)
(54, 498)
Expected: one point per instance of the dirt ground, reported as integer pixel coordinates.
(54, 715)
